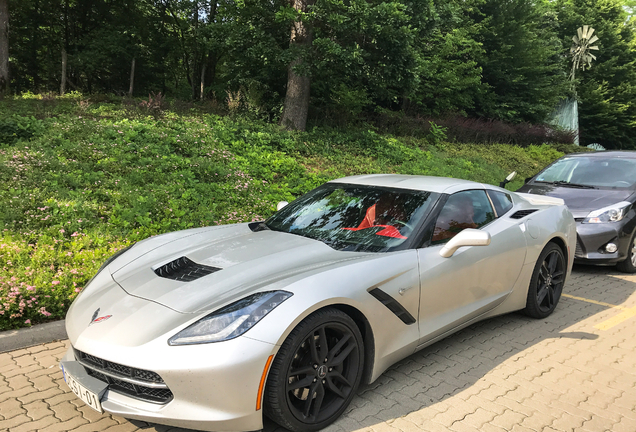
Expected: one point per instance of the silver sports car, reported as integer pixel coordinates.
(210, 328)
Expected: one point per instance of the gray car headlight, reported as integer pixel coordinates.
(612, 213)
(232, 320)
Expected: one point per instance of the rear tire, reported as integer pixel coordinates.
(629, 264)
(547, 282)
(316, 372)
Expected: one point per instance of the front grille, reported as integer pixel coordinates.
(579, 251)
(138, 383)
(522, 213)
(184, 270)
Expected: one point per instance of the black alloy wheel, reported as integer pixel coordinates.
(316, 372)
(547, 282)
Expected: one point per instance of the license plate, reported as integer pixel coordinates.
(90, 398)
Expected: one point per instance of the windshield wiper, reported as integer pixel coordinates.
(568, 184)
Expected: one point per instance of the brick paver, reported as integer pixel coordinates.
(574, 371)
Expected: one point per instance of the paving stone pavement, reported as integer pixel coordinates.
(573, 371)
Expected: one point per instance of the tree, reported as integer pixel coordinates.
(522, 66)
(298, 81)
(4, 47)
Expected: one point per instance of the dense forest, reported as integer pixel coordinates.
(334, 62)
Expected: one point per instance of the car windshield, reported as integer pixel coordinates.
(591, 171)
(355, 218)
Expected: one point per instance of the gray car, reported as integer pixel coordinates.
(211, 328)
(600, 191)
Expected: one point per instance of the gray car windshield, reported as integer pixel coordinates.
(591, 171)
(355, 218)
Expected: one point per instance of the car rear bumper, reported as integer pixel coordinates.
(592, 239)
(214, 386)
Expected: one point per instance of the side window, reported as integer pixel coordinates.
(467, 209)
(502, 202)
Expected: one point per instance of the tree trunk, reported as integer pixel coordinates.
(63, 83)
(132, 78)
(202, 80)
(4, 48)
(297, 96)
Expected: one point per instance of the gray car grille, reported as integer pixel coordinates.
(138, 383)
(185, 270)
(579, 251)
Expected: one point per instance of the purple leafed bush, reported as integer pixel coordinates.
(478, 131)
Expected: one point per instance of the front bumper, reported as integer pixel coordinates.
(214, 386)
(592, 238)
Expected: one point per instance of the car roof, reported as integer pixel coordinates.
(606, 154)
(414, 182)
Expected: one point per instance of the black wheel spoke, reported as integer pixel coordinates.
(305, 382)
(320, 396)
(324, 348)
(553, 258)
(543, 292)
(338, 376)
(310, 399)
(550, 295)
(314, 348)
(332, 387)
(343, 355)
(302, 371)
(337, 347)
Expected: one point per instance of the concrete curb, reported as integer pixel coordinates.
(11, 340)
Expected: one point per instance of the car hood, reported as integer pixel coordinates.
(248, 261)
(580, 201)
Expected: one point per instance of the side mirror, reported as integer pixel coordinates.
(508, 179)
(281, 204)
(527, 180)
(468, 237)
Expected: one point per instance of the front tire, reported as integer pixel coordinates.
(316, 372)
(547, 282)
(629, 264)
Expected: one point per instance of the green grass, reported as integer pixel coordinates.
(82, 180)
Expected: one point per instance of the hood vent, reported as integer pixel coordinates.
(522, 213)
(184, 270)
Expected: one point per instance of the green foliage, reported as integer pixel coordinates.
(521, 62)
(437, 134)
(95, 178)
(14, 128)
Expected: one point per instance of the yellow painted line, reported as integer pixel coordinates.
(623, 316)
(626, 313)
(594, 302)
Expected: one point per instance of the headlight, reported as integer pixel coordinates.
(612, 213)
(232, 320)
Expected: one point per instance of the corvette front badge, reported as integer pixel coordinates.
(96, 320)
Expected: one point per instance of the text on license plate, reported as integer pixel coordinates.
(90, 398)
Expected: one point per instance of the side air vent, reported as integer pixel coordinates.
(184, 270)
(522, 213)
(393, 305)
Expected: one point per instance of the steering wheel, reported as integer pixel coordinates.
(404, 224)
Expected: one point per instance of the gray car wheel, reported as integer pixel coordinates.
(629, 264)
(316, 372)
